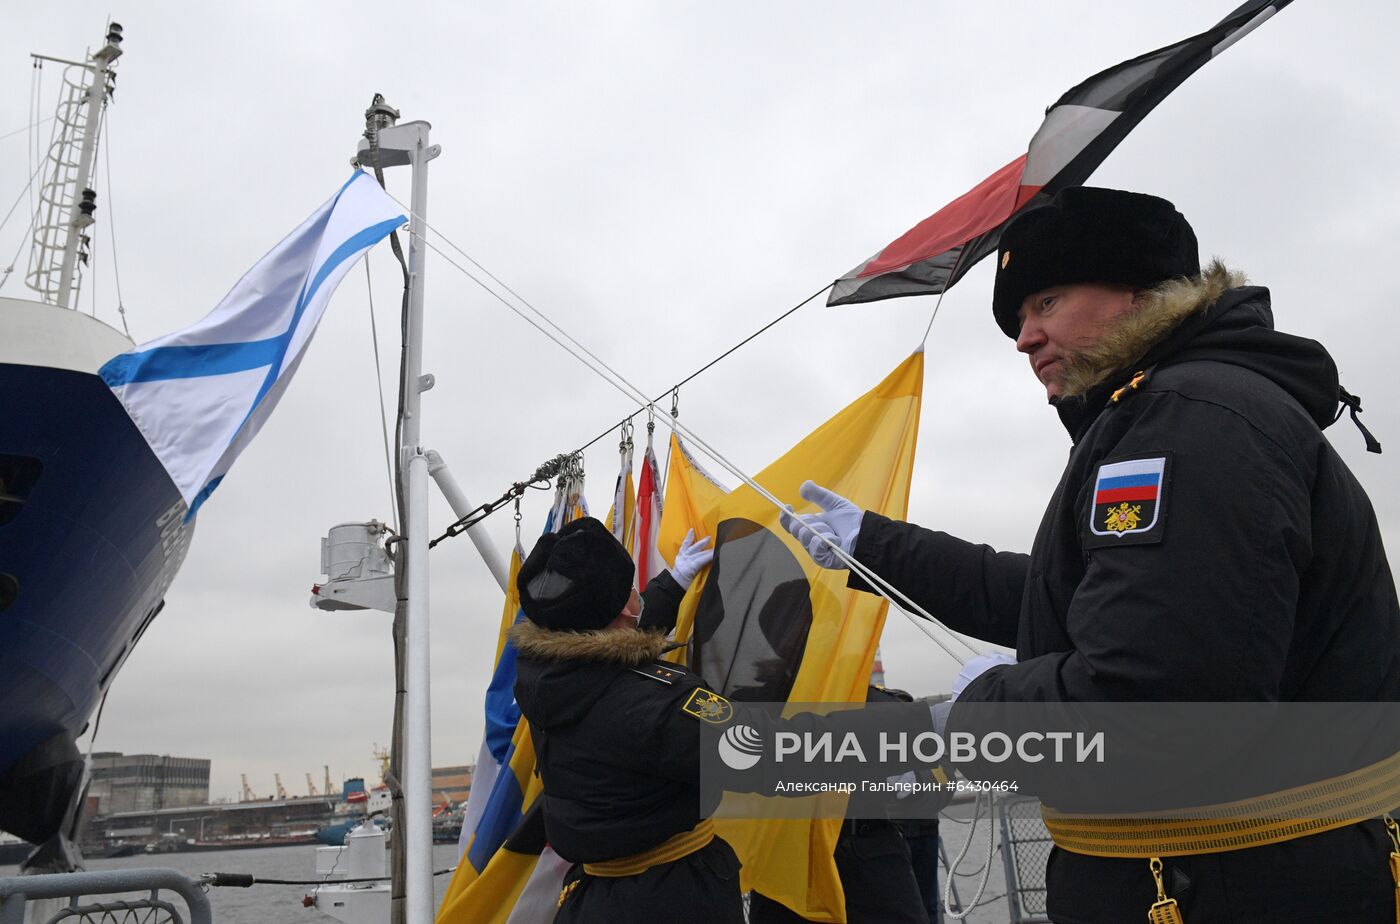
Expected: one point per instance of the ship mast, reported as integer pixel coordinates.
(387, 144)
(66, 199)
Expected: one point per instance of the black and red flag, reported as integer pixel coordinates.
(1080, 130)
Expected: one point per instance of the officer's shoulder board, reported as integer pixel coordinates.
(1127, 502)
(708, 706)
(661, 672)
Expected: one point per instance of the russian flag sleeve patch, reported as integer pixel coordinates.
(1128, 503)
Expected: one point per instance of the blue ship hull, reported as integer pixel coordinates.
(92, 533)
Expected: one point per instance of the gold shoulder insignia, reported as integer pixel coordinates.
(708, 707)
(665, 673)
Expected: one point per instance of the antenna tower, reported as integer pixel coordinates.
(67, 201)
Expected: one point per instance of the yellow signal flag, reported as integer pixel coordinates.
(512, 604)
(864, 453)
(691, 493)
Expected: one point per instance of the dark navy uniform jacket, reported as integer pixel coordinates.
(1205, 543)
(618, 756)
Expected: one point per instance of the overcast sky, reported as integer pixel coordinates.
(661, 179)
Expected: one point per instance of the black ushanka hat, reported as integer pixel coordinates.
(1089, 234)
(578, 578)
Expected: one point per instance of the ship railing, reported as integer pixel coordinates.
(1025, 852)
(105, 897)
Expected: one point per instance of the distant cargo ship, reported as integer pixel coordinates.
(356, 804)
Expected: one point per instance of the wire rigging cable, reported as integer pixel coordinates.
(10, 268)
(953, 274)
(33, 217)
(31, 143)
(383, 414)
(92, 229)
(20, 197)
(621, 384)
(30, 127)
(112, 222)
(565, 334)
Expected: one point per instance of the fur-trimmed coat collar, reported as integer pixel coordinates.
(627, 647)
(1156, 314)
(1216, 318)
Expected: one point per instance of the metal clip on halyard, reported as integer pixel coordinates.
(541, 478)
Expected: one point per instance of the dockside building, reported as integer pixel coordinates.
(147, 782)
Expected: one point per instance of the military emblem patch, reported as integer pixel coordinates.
(708, 707)
(1127, 506)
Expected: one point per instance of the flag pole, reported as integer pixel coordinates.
(397, 145)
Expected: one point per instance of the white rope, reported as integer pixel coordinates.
(882, 587)
(986, 862)
(621, 384)
(879, 584)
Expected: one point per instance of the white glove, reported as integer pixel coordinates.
(691, 559)
(974, 669)
(839, 522)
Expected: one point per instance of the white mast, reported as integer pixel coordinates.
(66, 199)
(397, 145)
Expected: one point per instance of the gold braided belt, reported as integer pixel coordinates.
(1269, 819)
(669, 850)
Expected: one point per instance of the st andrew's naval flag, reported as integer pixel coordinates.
(1080, 130)
(200, 395)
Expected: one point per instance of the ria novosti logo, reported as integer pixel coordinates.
(740, 747)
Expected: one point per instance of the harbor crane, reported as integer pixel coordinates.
(311, 785)
(281, 790)
(382, 755)
(248, 795)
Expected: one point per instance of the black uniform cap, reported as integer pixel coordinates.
(578, 578)
(1089, 234)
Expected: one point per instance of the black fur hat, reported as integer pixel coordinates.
(578, 578)
(1089, 234)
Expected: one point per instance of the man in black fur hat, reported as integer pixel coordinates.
(617, 752)
(1205, 543)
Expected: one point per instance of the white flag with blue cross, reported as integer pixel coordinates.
(200, 395)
